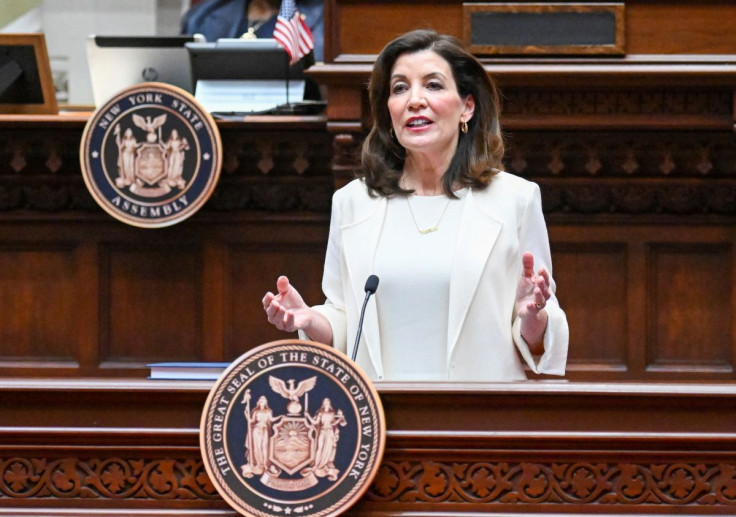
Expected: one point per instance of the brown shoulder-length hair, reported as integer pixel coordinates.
(479, 151)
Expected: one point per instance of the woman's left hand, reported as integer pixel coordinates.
(532, 294)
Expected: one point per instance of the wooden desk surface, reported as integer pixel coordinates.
(73, 119)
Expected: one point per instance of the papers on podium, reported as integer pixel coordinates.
(246, 96)
(186, 371)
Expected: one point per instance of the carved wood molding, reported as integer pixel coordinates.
(628, 484)
(580, 173)
(272, 170)
(644, 173)
(642, 198)
(715, 104)
(463, 449)
(402, 483)
(605, 171)
(37, 477)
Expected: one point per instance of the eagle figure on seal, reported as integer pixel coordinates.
(291, 391)
(150, 125)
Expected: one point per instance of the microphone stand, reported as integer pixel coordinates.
(360, 325)
(287, 108)
(370, 287)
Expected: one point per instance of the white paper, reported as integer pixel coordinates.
(246, 96)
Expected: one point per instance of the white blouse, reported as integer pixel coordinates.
(414, 269)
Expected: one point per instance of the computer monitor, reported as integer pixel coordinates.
(242, 59)
(118, 62)
(245, 76)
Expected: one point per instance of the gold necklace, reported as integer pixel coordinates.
(431, 228)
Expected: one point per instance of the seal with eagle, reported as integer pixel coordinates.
(292, 392)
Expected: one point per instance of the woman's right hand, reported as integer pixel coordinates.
(287, 310)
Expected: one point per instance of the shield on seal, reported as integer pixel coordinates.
(150, 165)
(292, 444)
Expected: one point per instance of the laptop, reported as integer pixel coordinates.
(118, 62)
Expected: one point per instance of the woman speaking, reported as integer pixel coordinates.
(461, 247)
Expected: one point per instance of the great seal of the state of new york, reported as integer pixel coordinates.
(292, 427)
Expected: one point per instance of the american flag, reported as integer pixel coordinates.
(292, 33)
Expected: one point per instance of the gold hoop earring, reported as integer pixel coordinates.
(464, 127)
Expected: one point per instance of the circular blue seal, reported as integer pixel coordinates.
(292, 427)
(151, 156)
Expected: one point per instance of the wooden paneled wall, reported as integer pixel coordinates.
(85, 295)
(644, 259)
(636, 158)
(639, 192)
(357, 30)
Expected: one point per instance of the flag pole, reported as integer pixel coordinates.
(288, 70)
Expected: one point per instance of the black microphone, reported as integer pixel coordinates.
(370, 288)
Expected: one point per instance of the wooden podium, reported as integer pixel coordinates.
(131, 447)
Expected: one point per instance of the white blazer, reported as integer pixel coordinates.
(497, 225)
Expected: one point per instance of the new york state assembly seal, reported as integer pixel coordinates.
(151, 155)
(292, 428)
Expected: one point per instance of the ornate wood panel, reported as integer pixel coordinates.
(641, 210)
(555, 448)
(89, 296)
(36, 281)
(636, 159)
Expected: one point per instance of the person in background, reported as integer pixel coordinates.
(461, 248)
(216, 19)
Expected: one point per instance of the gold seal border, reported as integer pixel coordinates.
(216, 166)
(377, 413)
